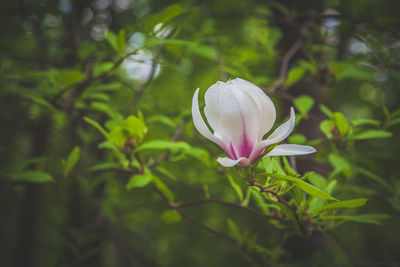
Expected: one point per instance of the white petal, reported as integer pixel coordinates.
(290, 149)
(277, 136)
(233, 114)
(284, 130)
(200, 125)
(228, 162)
(264, 104)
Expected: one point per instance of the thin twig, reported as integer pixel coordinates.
(285, 65)
(89, 79)
(287, 57)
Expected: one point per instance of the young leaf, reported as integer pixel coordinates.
(303, 104)
(171, 216)
(31, 176)
(236, 187)
(326, 111)
(370, 134)
(111, 39)
(161, 144)
(118, 136)
(121, 40)
(71, 161)
(312, 190)
(163, 17)
(341, 123)
(234, 230)
(326, 127)
(139, 180)
(354, 203)
(364, 218)
(163, 188)
(135, 127)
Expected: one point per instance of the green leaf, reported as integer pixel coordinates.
(310, 189)
(354, 203)
(294, 75)
(163, 17)
(297, 139)
(234, 230)
(120, 42)
(341, 123)
(106, 108)
(192, 47)
(135, 127)
(364, 218)
(362, 122)
(340, 164)
(161, 144)
(171, 216)
(119, 154)
(236, 187)
(162, 119)
(303, 104)
(111, 39)
(31, 176)
(200, 154)
(65, 78)
(163, 188)
(326, 127)
(139, 180)
(326, 111)
(71, 161)
(371, 134)
(374, 177)
(118, 136)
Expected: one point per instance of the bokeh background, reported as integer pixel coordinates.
(65, 198)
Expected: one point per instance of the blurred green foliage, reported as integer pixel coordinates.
(101, 165)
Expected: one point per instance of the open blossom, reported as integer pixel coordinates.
(240, 114)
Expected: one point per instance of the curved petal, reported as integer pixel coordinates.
(264, 104)
(200, 125)
(277, 136)
(233, 115)
(227, 162)
(291, 149)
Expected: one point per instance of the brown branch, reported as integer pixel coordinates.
(89, 79)
(287, 57)
(285, 65)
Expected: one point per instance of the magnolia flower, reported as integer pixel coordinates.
(241, 114)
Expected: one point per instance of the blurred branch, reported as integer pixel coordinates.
(229, 204)
(223, 236)
(287, 57)
(285, 65)
(89, 78)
